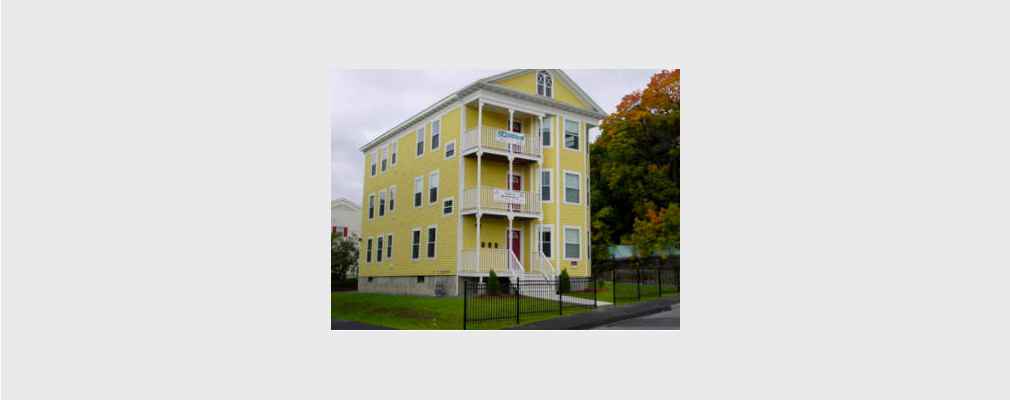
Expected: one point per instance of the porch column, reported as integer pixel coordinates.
(478, 249)
(480, 153)
(480, 128)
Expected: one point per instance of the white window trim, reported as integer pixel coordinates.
(413, 193)
(419, 133)
(564, 243)
(368, 250)
(392, 188)
(426, 231)
(549, 123)
(378, 249)
(550, 183)
(389, 246)
(453, 205)
(420, 238)
(379, 203)
(536, 84)
(554, 240)
(371, 202)
(564, 192)
(383, 156)
(563, 132)
(454, 149)
(393, 150)
(437, 188)
(374, 168)
(432, 141)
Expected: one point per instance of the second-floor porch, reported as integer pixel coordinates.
(500, 201)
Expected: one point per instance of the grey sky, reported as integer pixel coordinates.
(366, 103)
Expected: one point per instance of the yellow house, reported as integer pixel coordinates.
(492, 177)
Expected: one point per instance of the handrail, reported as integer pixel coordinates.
(541, 264)
(488, 139)
(515, 267)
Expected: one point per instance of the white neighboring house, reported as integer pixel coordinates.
(345, 220)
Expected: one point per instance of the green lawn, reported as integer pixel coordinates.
(408, 312)
(628, 292)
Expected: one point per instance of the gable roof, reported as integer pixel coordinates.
(345, 204)
(488, 84)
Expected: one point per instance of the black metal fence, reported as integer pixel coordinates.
(482, 304)
(637, 283)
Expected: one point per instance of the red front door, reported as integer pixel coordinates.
(517, 184)
(516, 242)
(517, 127)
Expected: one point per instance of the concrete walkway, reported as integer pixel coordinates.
(606, 316)
(568, 299)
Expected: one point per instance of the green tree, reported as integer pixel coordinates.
(635, 169)
(493, 286)
(343, 255)
(565, 282)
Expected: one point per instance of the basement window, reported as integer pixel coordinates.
(420, 279)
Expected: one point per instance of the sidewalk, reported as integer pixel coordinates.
(343, 324)
(604, 316)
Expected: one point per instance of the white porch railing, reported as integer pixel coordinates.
(540, 264)
(488, 139)
(530, 201)
(502, 261)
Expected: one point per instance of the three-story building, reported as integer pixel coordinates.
(491, 177)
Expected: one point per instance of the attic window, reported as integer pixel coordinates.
(545, 84)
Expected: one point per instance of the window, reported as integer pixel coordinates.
(368, 251)
(433, 187)
(431, 242)
(420, 142)
(545, 131)
(546, 233)
(545, 84)
(415, 244)
(546, 177)
(572, 187)
(450, 149)
(420, 279)
(373, 157)
(382, 203)
(371, 206)
(389, 246)
(571, 135)
(418, 188)
(392, 153)
(572, 246)
(447, 206)
(392, 196)
(378, 250)
(436, 129)
(382, 155)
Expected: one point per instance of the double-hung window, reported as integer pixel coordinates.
(415, 244)
(420, 142)
(418, 190)
(572, 180)
(433, 187)
(546, 241)
(382, 203)
(368, 251)
(545, 84)
(436, 130)
(392, 153)
(382, 156)
(389, 246)
(371, 206)
(378, 250)
(432, 230)
(373, 157)
(546, 179)
(392, 196)
(545, 131)
(571, 135)
(450, 149)
(447, 206)
(573, 236)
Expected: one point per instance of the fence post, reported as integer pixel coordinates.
(517, 301)
(560, 309)
(659, 273)
(638, 288)
(595, 288)
(613, 283)
(466, 285)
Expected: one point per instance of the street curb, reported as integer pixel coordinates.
(604, 316)
(345, 325)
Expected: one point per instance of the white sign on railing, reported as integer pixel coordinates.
(510, 137)
(509, 196)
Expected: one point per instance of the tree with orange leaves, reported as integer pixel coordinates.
(635, 170)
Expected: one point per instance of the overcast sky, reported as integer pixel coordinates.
(367, 103)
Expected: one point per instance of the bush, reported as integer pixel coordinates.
(565, 282)
(493, 287)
